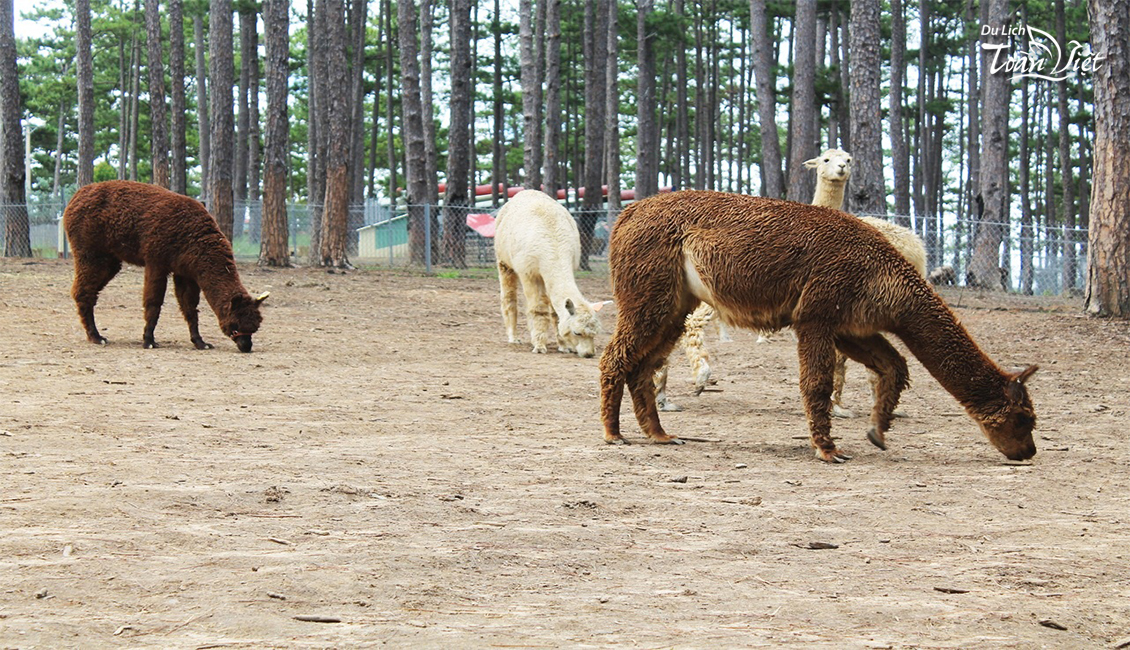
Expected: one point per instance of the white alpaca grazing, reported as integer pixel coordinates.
(536, 241)
(833, 169)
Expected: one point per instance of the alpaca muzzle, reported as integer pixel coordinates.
(242, 341)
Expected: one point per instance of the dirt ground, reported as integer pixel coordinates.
(384, 460)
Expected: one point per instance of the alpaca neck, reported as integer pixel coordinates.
(219, 283)
(560, 290)
(829, 194)
(937, 339)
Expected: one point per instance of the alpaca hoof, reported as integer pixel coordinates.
(540, 349)
(199, 344)
(615, 440)
(149, 345)
(763, 339)
(667, 440)
(668, 406)
(841, 412)
(832, 455)
(876, 438)
(899, 414)
(101, 340)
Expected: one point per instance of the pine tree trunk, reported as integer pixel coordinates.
(390, 114)
(802, 182)
(900, 155)
(13, 208)
(612, 114)
(867, 194)
(85, 78)
(431, 151)
(647, 137)
(498, 160)
(178, 174)
(135, 101)
(221, 58)
(158, 115)
(1070, 272)
(458, 195)
(204, 126)
(413, 130)
(764, 56)
(335, 214)
(528, 73)
(274, 248)
(1108, 272)
(254, 150)
(679, 177)
(596, 60)
(552, 96)
(247, 30)
(984, 271)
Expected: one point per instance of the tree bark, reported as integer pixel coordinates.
(802, 182)
(984, 271)
(85, 78)
(247, 31)
(335, 215)
(764, 71)
(1108, 271)
(1070, 271)
(552, 96)
(900, 155)
(528, 73)
(612, 113)
(867, 195)
(178, 174)
(647, 137)
(158, 115)
(431, 146)
(457, 195)
(202, 104)
(221, 59)
(315, 154)
(413, 130)
(13, 208)
(596, 60)
(274, 249)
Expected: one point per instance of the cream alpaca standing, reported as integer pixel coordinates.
(536, 240)
(833, 169)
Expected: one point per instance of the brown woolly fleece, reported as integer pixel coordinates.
(123, 221)
(766, 264)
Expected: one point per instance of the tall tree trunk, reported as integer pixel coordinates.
(390, 115)
(254, 152)
(900, 155)
(247, 30)
(222, 70)
(431, 146)
(85, 79)
(178, 174)
(123, 113)
(358, 20)
(612, 113)
(764, 72)
(1108, 271)
(596, 60)
(457, 195)
(274, 249)
(498, 160)
(867, 195)
(413, 130)
(1025, 186)
(135, 101)
(802, 182)
(1070, 272)
(13, 208)
(528, 73)
(984, 269)
(552, 95)
(680, 176)
(158, 115)
(59, 142)
(335, 216)
(315, 158)
(647, 136)
(204, 126)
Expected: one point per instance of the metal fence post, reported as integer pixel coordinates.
(428, 238)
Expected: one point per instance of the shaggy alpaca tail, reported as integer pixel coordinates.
(694, 345)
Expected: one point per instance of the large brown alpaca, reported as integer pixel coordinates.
(765, 264)
(122, 221)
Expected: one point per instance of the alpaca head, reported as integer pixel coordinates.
(579, 329)
(832, 166)
(1009, 428)
(242, 319)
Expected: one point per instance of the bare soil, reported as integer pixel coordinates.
(384, 460)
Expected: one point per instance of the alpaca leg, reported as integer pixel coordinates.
(188, 297)
(508, 285)
(537, 313)
(661, 400)
(642, 388)
(693, 342)
(891, 378)
(838, 388)
(92, 274)
(154, 296)
(816, 350)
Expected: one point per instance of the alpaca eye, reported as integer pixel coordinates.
(827, 160)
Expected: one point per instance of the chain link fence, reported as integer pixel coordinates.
(1034, 259)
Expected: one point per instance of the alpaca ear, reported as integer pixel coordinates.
(1016, 385)
(569, 307)
(812, 164)
(263, 296)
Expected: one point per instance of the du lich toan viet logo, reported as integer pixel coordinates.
(1044, 58)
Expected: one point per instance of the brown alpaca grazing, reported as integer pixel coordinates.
(765, 264)
(122, 221)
